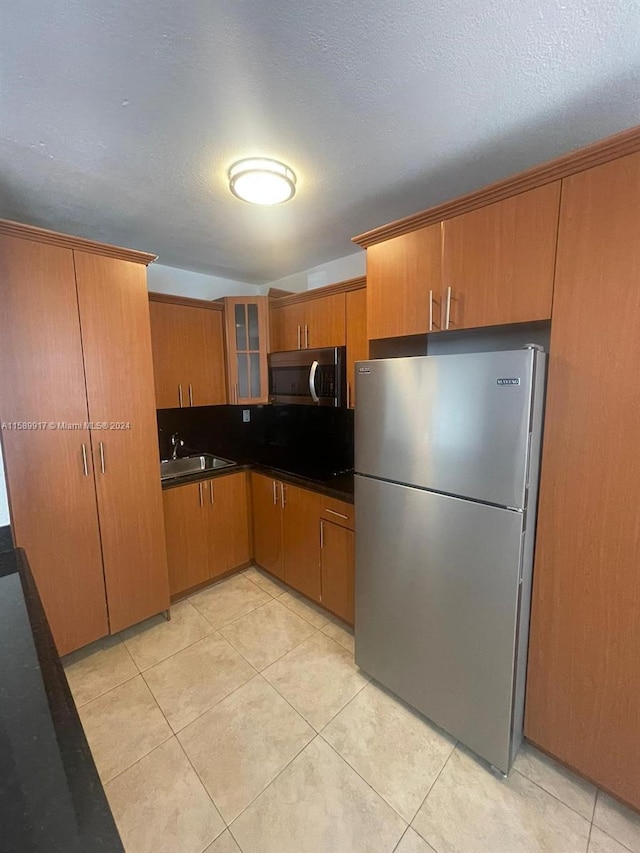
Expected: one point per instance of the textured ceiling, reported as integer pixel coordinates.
(119, 119)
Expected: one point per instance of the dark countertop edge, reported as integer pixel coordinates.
(84, 782)
(6, 538)
(341, 489)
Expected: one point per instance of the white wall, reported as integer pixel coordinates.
(197, 285)
(4, 504)
(340, 269)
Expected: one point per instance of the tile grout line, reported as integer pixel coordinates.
(317, 731)
(278, 774)
(178, 651)
(551, 794)
(368, 784)
(206, 790)
(284, 654)
(431, 787)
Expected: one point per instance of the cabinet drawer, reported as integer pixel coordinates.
(338, 512)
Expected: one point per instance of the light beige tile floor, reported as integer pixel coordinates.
(244, 726)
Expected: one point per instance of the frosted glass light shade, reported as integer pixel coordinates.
(262, 181)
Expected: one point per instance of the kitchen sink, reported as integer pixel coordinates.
(171, 468)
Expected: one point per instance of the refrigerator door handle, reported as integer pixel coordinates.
(312, 382)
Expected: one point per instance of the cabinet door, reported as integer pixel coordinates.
(287, 328)
(204, 358)
(116, 340)
(229, 523)
(185, 520)
(301, 538)
(338, 569)
(324, 322)
(584, 661)
(267, 524)
(53, 503)
(499, 260)
(188, 355)
(401, 272)
(169, 339)
(247, 346)
(357, 343)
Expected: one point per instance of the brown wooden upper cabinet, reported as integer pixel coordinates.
(188, 352)
(308, 322)
(247, 340)
(584, 654)
(84, 487)
(488, 267)
(404, 283)
(498, 261)
(207, 526)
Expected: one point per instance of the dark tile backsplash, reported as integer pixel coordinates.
(307, 440)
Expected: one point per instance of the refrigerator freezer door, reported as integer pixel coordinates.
(437, 608)
(457, 424)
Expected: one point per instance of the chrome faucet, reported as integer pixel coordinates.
(176, 444)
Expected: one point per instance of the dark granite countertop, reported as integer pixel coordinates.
(51, 798)
(339, 486)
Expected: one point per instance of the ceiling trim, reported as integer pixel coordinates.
(67, 241)
(319, 292)
(611, 148)
(187, 301)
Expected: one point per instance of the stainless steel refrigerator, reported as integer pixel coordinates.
(447, 455)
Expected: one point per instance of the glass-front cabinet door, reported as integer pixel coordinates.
(246, 319)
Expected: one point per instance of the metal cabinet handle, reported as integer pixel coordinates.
(85, 466)
(348, 395)
(312, 382)
(321, 534)
(102, 465)
(284, 502)
(339, 514)
(299, 333)
(448, 314)
(306, 336)
(275, 493)
(180, 395)
(212, 496)
(190, 395)
(200, 493)
(235, 393)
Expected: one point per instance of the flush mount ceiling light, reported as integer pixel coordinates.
(261, 181)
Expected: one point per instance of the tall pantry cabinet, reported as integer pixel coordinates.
(79, 430)
(583, 694)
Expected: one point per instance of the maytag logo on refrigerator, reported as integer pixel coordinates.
(364, 370)
(508, 380)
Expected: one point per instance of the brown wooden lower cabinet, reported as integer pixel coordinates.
(306, 540)
(337, 564)
(301, 540)
(207, 530)
(267, 524)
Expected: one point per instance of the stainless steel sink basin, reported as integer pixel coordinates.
(171, 468)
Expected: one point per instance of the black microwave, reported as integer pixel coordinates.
(309, 377)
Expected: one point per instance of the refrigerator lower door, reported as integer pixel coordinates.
(437, 601)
